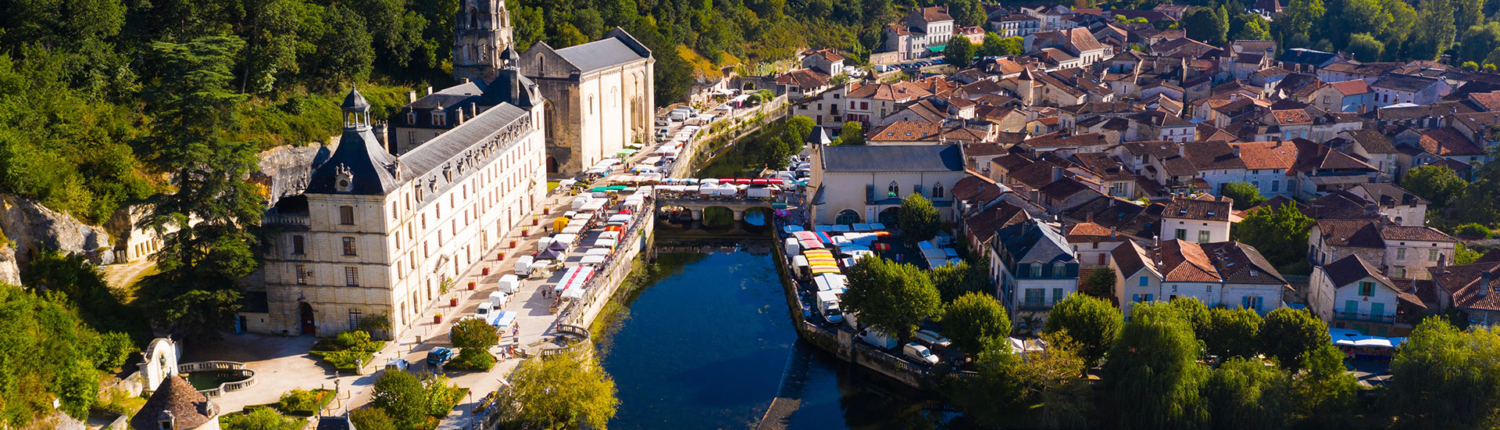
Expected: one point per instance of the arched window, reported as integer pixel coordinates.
(614, 96)
(937, 190)
(847, 216)
(893, 190)
(473, 18)
(591, 105)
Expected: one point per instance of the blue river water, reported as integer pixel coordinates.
(706, 346)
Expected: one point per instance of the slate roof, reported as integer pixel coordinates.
(1207, 210)
(1183, 261)
(1306, 56)
(1158, 149)
(935, 14)
(1002, 215)
(1242, 264)
(893, 158)
(1391, 195)
(975, 188)
(1127, 218)
(1353, 233)
(616, 48)
(1339, 204)
(365, 159)
(1351, 269)
(1373, 141)
(334, 423)
(1403, 83)
(1034, 241)
(1059, 140)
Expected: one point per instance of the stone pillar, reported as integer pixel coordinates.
(739, 214)
(697, 214)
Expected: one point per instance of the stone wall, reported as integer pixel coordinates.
(33, 228)
(284, 170)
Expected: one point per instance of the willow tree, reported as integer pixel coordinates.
(1153, 373)
(564, 391)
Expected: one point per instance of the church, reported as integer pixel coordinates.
(599, 98)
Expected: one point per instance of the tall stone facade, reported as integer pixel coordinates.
(376, 234)
(482, 31)
(600, 95)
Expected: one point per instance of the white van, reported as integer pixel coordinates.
(497, 300)
(486, 311)
(877, 338)
(523, 266)
(919, 353)
(509, 284)
(828, 305)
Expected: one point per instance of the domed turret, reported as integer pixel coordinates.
(356, 111)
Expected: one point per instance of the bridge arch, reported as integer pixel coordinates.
(719, 216)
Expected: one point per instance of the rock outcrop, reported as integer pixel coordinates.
(10, 272)
(33, 228)
(284, 170)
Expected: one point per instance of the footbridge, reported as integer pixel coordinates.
(738, 206)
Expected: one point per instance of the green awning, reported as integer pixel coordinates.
(778, 205)
(626, 152)
(936, 48)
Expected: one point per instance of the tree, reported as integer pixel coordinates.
(1443, 377)
(1100, 283)
(259, 419)
(1255, 28)
(1093, 322)
(889, 296)
(1435, 29)
(344, 52)
(1245, 195)
(197, 289)
(959, 52)
(1289, 335)
(1438, 184)
(1243, 393)
(1231, 333)
(972, 318)
(1207, 25)
(917, 219)
(1011, 46)
(474, 333)
(1323, 393)
(372, 419)
(990, 46)
(966, 13)
(1478, 42)
(401, 396)
(1154, 365)
(853, 133)
(1280, 234)
(1348, 17)
(954, 280)
(1463, 255)
(568, 390)
(1365, 47)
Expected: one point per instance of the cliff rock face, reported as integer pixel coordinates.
(284, 170)
(10, 273)
(32, 228)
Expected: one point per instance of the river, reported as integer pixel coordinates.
(707, 344)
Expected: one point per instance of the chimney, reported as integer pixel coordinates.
(1181, 150)
(1484, 284)
(1236, 151)
(1442, 265)
(460, 114)
(1111, 232)
(429, 91)
(1090, 218)
(466, 80)
(1057, 174)
(411, 96)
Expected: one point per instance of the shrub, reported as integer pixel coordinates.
(1473, 230)
(473, 359)
(260, 419)
(304, 402)
(372, 419)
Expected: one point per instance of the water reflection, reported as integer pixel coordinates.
(706, 344)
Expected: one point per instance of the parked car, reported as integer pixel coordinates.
(932, 339)
(877, 338)
(397, 364)
(441, 355)
(916, 351)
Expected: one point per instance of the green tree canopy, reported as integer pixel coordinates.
(853, 133)
(1438, 184)
(568, 390)
(1093, 322)
(1154, 364)
(954, 280)
(474, 333)
(1245, 195)
(1244, 393)
(1365, 47)
(1232, 333)
(1100, 283)
(891, 297)
(1289, 335)
(959, 52)
(973, 318)
(917, 219)
(1443, 377)
(401, 396)
(1280, 234)
(1207, 25)
(35, 325)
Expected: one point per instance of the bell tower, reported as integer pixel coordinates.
(482, 31)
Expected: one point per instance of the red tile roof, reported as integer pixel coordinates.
(1183, 261)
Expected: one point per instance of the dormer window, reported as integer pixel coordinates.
(439, 118)
(411, 117)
